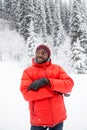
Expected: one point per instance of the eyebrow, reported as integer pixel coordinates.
(42, 50)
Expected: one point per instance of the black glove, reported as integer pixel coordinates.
(38, 83)
(67, 94)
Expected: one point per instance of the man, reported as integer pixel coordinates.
(43, 85)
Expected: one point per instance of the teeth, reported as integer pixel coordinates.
(40, 58)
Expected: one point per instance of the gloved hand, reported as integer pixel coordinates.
(38, 83)
(67, 94)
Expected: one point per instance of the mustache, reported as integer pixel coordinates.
(39, 57)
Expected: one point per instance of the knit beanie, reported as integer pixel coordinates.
(45, 48)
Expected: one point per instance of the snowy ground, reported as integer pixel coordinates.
(14, 114)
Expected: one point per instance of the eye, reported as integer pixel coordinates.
(38, 52)
(44, 53)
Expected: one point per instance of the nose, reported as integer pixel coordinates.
(40, 54)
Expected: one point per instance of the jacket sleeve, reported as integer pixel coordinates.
(32, 95)
(63, 84)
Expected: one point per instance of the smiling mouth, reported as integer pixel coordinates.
(39, 58)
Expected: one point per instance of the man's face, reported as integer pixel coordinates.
(41, 56)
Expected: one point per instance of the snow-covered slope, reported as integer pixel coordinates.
(12, 45)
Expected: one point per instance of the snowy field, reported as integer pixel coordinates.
(14, 114)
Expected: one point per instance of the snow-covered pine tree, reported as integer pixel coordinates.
(56, 24)
(52, 9)
(7, 7)
(83, 36)
(36, 17)
(49, 22)
(75, 21)
(79, 34)
(26, 15)
(15, 14)
(32, 41)
(70, 8)
(42, 20)
(84, 5)
(65, 16)
(58, 35)
(0, 8)
(62, 12)
(83, 28)
(78, 59)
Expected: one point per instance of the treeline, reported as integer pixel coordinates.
(54, 18)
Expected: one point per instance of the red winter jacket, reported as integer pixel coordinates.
(46, 104)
